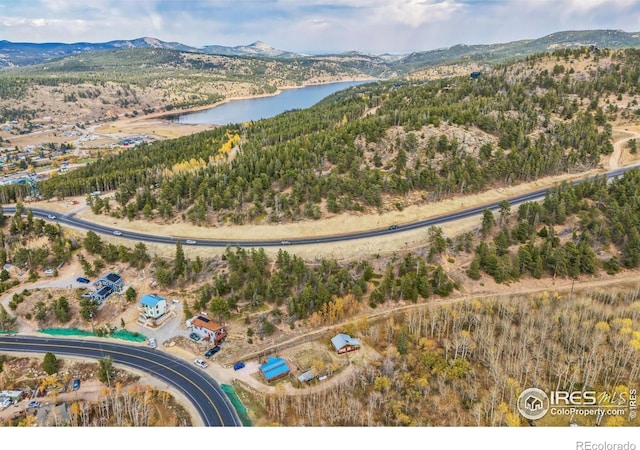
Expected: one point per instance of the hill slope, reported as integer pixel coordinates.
(380, 146)
(496, 53)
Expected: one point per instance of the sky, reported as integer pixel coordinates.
(311, 26)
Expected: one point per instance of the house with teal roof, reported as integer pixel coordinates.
(153, 306)
(344, 343)
(275, 368)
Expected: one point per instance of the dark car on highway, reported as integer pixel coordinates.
(212, 351)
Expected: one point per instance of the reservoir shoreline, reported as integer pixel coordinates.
(159, 125)
(174, 115)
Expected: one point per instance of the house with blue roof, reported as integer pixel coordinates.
(344, 343)
(275, 368)
(153, 306)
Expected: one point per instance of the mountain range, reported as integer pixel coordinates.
(26, 53)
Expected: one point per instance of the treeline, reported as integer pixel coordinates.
(244, 281)
(251, 279)
(338, 155)
(577, 230)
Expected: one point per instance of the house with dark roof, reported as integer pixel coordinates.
(207, 329)
(344, 343)
(112, 280)
(153, 306)
(101, 294)
(106, 285)
(275, 368)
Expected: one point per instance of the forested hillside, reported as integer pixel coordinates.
(577, 230)
(377, 146)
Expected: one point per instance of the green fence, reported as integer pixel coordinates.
(237, 404)
(66, 332)
(118, 334)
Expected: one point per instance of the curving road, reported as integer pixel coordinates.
(204, 393)
(463, 214)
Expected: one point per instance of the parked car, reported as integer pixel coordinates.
(201, 363)
(190, 241)
(83, 280)
(49, 272)
(212, 351)
(393, 227)
(194, 336)
(238, 365)
(152, 343)
(117, 233)
(33, 404)
(76, 384)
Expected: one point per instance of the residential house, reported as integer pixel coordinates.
(344, 343)
(275, 368)
(112, 280)
(102, 294)
(207, 329)
(9, 397)
(107, 285)
(153, 306)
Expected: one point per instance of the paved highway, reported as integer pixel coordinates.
(210, 402)
(83, 224)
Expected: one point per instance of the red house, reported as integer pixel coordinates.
(207, 329)
(344, 343)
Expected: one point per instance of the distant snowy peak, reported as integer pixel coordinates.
(258, 48)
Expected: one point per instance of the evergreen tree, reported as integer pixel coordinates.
(488, 221)
(180, 262)
(106, 371)
(50, 363)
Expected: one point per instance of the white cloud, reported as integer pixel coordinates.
(416, 12)
(589, 5)
(311, 25)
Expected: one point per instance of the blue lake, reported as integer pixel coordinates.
(238, 111)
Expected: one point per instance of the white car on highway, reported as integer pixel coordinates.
(117, 233)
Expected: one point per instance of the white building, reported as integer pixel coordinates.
(153, 306)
